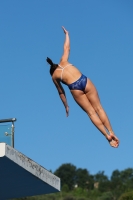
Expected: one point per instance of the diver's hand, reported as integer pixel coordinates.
(67, 111)
(65, 31)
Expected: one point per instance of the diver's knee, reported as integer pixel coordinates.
(98, 109)
(91, 113)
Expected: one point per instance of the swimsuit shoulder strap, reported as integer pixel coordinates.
(62, 68)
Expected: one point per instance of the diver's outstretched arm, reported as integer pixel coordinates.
(66, 52)
(62, 95)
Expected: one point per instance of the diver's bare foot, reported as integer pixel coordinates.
(112, 141)
(113, 136)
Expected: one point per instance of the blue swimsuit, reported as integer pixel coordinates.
(80, 84)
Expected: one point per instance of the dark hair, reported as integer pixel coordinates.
(52, 66)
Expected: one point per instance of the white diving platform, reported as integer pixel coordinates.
(22, 177)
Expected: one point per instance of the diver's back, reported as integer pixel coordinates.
(68, 73)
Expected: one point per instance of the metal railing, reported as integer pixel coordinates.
(7, 131)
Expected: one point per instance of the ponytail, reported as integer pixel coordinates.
(52, 66)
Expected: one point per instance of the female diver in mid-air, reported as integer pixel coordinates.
(82, 90)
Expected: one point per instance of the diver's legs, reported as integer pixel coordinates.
(93, 98)
(83, 102)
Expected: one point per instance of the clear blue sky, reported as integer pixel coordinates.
(101, 34)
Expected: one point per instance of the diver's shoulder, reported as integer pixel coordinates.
(64, 63)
